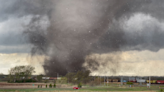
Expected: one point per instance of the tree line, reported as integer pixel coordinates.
(21, 74)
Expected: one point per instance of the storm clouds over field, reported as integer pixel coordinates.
(108, 37)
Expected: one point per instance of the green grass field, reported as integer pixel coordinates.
(85, 89)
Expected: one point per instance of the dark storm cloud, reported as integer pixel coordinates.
(13, 18)
(20, 8)
(145, 35)
(78, 27)
(150, 37)
(111, 40)
(13, 42)
(152, 7)
(12, 37)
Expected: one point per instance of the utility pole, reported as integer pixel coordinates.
(149, 81)
(107, 80)
(100, 80)
(57, 75)
(121, 80)
(104, 80)
(140, 81)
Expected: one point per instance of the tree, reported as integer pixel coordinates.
(79, 77)
(20, 73)
(83, 76)
(39, 77)
(71, 77)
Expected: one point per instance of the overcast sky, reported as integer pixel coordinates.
(134, 36)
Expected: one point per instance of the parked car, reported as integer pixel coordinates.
(75, 88)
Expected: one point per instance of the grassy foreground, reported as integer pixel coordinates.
(87, 89)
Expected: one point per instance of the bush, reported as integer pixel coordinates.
(28, 80)
(79, 85)
(46, 86)
(18, 81)
(54, 85)
(9, 81)
(25, 80)
(34, 81)
(161, 90)
(129, 83)
(38, 86)
(50, 86)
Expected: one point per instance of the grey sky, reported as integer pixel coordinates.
(76, 28)
(15, 15)
(12, 13)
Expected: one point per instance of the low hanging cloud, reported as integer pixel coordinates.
(9, 60)
(130, 63)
